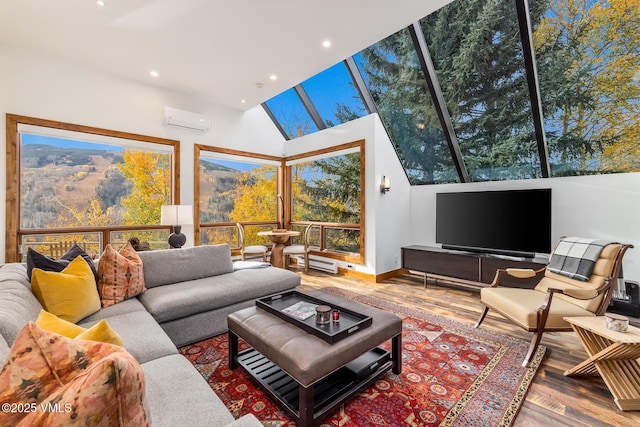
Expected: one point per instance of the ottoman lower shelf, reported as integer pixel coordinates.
(328, 393)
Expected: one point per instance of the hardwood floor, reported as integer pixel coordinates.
(553, 399)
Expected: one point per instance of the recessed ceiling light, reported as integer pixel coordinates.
(154, 73)
(326, 43)
(101, 3)
(273, 77)
(244, 101)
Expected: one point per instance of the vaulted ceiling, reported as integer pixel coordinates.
(216, 49)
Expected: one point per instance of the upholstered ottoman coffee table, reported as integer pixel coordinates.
(306, 375)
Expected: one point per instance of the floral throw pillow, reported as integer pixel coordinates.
(120, 275)
(57, 381)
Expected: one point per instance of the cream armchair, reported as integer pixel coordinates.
(554, 297)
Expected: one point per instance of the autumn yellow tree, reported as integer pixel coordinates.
(93, 216)
(618, 84)
(255, 195)
(588, 54)
(71, 217)
(255, 198)
(150, 174)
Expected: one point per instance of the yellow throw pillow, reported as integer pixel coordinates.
(52, 323)
(71, 294)
(102, 332)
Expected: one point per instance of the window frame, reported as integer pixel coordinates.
(14, 233)
(323, 251)
(197, 149)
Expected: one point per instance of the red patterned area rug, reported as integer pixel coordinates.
(452, 375)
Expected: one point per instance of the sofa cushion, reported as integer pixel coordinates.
(18, 305)
(17, 272)
(70, 294)
(141, 335)
(84, 377)
(4, 350)
(179, 265)
(196, 296)
(124, 307)
(178, 395)
(37, 260)
(523, 305)
(120, 275)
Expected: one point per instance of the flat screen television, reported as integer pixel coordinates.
(511, 222)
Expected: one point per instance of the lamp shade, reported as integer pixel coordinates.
(176, 215)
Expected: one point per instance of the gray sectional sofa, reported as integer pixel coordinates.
(189, 294)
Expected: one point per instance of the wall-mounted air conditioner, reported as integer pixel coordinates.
(186, 120)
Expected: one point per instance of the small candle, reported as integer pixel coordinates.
(335, 315)
(322, 314)
(616, 322)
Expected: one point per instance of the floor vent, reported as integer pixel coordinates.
(321, 264)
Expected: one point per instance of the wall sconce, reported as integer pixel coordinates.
(176, 215)
(384, 184)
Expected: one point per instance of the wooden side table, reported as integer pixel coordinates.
(613, 355)
(279, 239)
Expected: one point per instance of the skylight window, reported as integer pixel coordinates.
(289, 112)
(399, 89)
(483, 92)
(334, 96)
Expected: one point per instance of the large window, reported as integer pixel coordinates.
(289, 112)
(484, 90)
(334, 96)
(476, 51)
(234, 187)
(327, 189)
(398, 86)
(588, 54)
(84, 185)
(324, 188)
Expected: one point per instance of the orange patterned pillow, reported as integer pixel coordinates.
(47, 376)
(110, 392)
(120, 275)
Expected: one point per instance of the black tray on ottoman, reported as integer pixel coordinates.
(332, 332)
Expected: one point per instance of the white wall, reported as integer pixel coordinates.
(600, 206)
(36, 86)
(386, 215)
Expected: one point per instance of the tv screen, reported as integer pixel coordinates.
(513, 221)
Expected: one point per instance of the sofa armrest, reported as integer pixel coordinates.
(582, 294)
(521, 273)
(248, 420)
(518, 273)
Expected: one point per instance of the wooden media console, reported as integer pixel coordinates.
(465, 268)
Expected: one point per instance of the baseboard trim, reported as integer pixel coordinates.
(376, 278)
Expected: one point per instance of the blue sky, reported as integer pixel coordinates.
(326, 90)
(67, 143)
(239, 166)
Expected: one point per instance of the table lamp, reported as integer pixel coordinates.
(177, 216)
